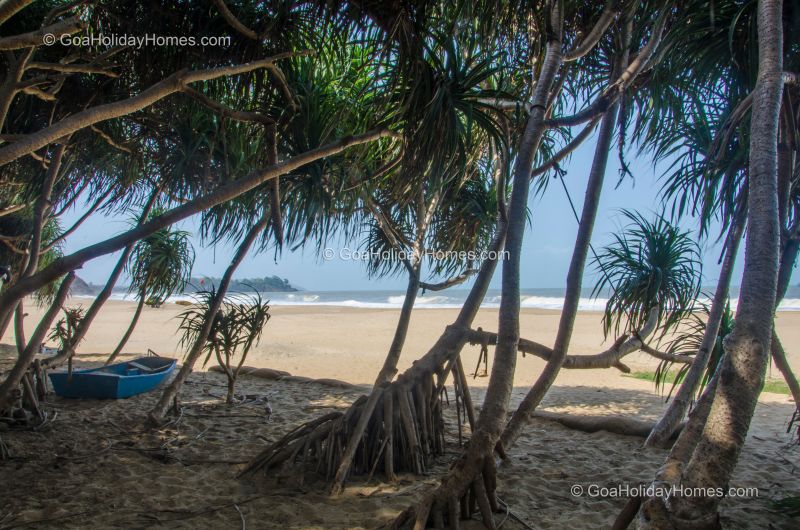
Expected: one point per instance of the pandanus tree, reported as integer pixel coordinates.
(433, 197)
(698, 125)
(122, 92)
(650, 266)
(707, 450)
(235, 329)
(159, 266)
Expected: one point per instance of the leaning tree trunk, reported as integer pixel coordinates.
(40, 211)
(741, 374)
(25, 286)
(663, 431)
(170, 394)
(385, 376)
(19, 327)
(474, 471)
(572, 296)
(102, 297)
(21, 366)
(135, 320)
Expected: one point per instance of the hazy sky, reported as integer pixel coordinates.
(547, 246)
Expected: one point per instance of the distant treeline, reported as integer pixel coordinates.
(268, 283)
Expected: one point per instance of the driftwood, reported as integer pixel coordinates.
(612, 423)
(280, 375)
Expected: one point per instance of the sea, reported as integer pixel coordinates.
(539, 298)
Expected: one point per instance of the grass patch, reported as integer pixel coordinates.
(775, 386)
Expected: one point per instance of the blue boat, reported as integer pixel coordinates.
(115, 381)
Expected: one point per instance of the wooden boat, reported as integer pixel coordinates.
(116, 381)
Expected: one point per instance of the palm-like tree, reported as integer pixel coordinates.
(236, 328)
(651, 265)
(159, 265)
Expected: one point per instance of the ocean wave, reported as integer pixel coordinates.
(370, 300)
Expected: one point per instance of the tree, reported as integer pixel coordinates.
(159, 266)
(235, 329)
(734, 392)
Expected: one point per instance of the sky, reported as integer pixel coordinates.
(547, 247)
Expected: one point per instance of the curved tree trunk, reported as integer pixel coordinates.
(741, 373)
(14, 377)
(158, 412)
(135, 320)
(103, 296)
(385, 376)
(19, 328)
(673, 415)
(577, 264)
(476, 466)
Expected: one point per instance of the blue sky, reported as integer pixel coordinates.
(547, 246)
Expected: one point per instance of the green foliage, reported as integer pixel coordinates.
(687, 342)
(161, 264)
(236, 328)
(650, 265)
(67, 326)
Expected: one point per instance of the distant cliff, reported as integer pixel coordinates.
(81, 288)
(266, 284)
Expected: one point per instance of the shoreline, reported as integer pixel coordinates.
(349, 344)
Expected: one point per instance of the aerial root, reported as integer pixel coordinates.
(456, 500)
(405, 430)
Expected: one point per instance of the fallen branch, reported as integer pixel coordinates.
(611, 358)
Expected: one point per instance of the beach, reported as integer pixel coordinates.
(350, 343)
(99, 467)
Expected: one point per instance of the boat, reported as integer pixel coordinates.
(115, 381)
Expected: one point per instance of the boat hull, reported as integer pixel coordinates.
(117, 381)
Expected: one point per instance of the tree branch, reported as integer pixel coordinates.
(9, 8)
(156, 92)
(72, 69)
(222, 194)
(456, 280)
(231, 19)
(623, 346)
(35, 38)
(607, 16)
(568, 149)
(222, 110)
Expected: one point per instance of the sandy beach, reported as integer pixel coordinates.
(97, 466)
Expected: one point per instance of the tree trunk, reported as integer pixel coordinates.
(577, 264)
(478, 454)
(782, 364)
(673, 415)
(21, 366)
(226, 192)
(40, 211)
(124, 340)
(741, 374)
(103, 296)
(158, 412)
(385, 376)
(19, 328)
(231, 388)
